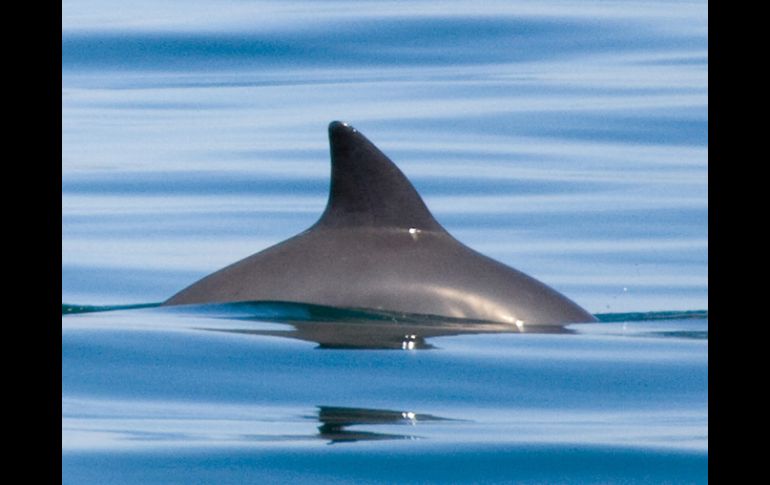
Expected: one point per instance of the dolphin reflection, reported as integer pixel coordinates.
(333, 427)
(340, 328)
(336, 420)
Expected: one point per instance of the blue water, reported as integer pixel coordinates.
(566, 139)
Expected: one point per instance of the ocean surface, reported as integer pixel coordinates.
(567, 139)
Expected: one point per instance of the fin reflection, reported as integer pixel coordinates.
(345, 328)
(336, 420)
(379, 335)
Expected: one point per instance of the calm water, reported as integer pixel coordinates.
(566, 139)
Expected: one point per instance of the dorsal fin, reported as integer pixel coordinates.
(367, 189)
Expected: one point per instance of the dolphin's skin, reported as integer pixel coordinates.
(377, 246)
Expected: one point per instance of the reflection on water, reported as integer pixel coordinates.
(356, 328)
(375, 335)
(147, 382)
(155, 427)
(346, 328)
(336, 420)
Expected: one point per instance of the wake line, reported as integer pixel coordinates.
(650, 316)
(67, 309)
(71, 309)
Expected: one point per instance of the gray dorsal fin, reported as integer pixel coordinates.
(367, 189)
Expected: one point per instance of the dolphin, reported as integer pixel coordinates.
(377, 246)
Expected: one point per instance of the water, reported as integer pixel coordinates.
(566, 139)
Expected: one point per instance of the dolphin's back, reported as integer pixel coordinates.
(378, 246)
